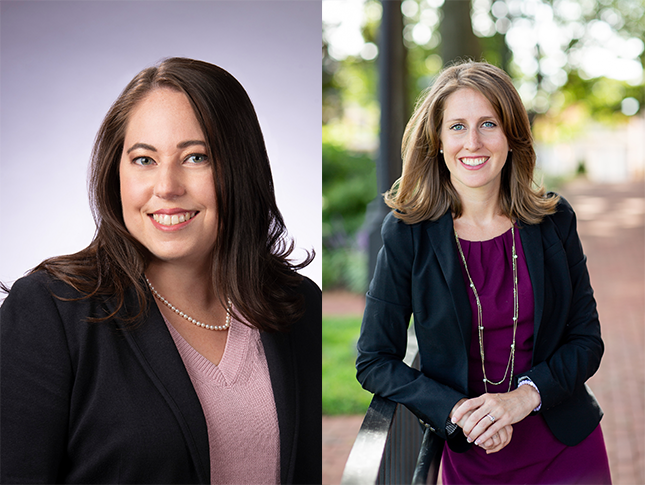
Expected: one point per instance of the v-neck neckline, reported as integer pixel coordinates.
(232, 365)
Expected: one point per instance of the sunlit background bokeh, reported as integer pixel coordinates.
(577, 64)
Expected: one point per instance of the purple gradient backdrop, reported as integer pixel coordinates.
(63, 63)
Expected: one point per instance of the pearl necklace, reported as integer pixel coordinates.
(480, 326)
(190, 319)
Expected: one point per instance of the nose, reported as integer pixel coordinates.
(473, 142)
(168, 182)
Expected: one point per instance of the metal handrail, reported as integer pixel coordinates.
(392, 446)
(427, 468)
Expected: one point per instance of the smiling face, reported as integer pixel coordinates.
(474, 145)
(166, 180)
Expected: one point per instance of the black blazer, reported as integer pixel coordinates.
(418, 273)
(96, 403)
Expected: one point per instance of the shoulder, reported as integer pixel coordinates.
(309, 289)
(38, 287)
(41, 299)
(33, 317)
(398, 234)
(394, 228)
(312, 303)
(563, 208)
(564, 217)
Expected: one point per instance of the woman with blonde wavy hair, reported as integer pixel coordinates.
(492, 271)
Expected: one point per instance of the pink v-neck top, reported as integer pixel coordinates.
(238, 403)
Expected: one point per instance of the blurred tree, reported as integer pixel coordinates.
(458, 39)
(569, 59)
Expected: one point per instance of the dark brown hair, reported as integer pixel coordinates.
(250, 261)
(425, 191)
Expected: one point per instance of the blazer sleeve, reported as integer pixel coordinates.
(383, 337)
(36, 384)
(571, 352)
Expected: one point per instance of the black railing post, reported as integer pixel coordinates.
(393, 101)
(391, 446)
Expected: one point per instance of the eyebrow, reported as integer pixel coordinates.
(189, 143)
(183, 144)
(481, 118)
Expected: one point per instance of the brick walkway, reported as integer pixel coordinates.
(611, 224)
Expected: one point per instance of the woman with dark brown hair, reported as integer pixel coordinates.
(181, 346)
(492, 271)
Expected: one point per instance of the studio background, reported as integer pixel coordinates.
(62, 65)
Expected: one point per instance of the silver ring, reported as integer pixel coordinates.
(492, 418)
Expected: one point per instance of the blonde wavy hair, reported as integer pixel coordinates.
(425, 192)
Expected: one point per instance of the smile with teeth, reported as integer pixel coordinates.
(473, 162)
(171, 220)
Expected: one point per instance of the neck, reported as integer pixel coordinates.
(480, 207)
(481, 218)
(181, 282)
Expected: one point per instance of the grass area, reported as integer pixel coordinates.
(342, 394)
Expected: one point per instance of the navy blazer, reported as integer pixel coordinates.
(418, 273)
(98, 403)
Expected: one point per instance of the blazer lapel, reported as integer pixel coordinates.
(443, 241)
(282, 368)
(531, 237)
(153, 345)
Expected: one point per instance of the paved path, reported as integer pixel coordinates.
(611, 225)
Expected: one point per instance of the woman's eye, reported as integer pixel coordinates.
(489, 124)
(197, 158)
(143, 161)
(458, 127)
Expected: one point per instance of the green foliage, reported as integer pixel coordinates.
(349, 184)
(342, 394)
(346, 268)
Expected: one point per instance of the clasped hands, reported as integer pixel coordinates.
(488, 420)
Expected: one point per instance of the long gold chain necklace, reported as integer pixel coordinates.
(480, 326)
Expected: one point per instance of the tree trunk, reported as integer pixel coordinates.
(458, 42)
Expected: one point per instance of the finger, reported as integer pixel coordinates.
(491, 443)
(483, 430)
(478, 423)
(485, 415)
(466, 407)
(462, 422)
(486, 433)
(472, 421)
(505, 435)
(493, 427)
(497, 448)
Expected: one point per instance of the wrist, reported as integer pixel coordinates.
(532, 392)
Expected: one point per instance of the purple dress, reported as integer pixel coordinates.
(534, 455)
